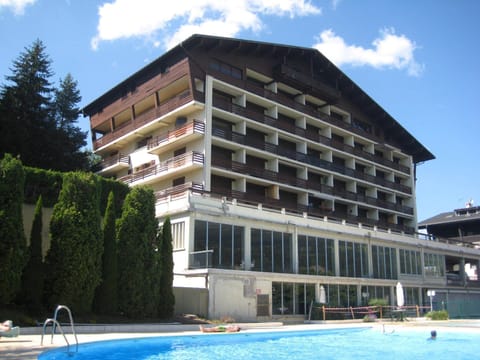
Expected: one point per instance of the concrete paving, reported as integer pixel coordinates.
(28, 345)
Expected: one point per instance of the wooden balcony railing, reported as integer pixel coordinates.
(187, 159)
(224, 104)
(171, 135)
(305, 158)
(292, 180)
(113, 160)
(147, 117)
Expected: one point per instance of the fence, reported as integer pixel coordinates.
(343, 313)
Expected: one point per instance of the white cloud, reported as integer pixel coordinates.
(388, 51)
(179, 19)
(17, 6)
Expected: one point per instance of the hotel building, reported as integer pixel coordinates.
(281, 178)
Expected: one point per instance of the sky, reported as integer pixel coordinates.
(418, 59)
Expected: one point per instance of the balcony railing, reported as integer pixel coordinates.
(292, 180)
(224, 104)
(194, 127)
(114, 160)
(177, 162)
(178, 191)
(305, 158)
(147, 117)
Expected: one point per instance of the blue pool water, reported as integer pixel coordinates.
(359, 343)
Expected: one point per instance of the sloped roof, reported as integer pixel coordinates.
(452, 217)
(347, 88)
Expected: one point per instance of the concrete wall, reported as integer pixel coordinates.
(191, 301)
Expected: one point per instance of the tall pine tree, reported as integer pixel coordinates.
(37, 121)
(71, 139)
(26, 109)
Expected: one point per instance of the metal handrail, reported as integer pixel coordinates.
(56, 323)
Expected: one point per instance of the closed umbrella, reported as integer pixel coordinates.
(400, 296)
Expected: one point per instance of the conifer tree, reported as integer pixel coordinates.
(106, 293)
(26, 109)
(167, 298)
(33, 275)
(37, 121)
(137, 249)
(74, 258)
(13, 247)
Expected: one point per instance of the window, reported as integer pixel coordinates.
(353, 259)
(271, 251)
(384, 262)
(178, 235)
(410, 262)
(217, 246)
(434, 265)
(316, 256)
(225, 68)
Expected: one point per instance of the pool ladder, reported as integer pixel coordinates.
(55, 323)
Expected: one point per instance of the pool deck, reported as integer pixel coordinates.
(28, 345)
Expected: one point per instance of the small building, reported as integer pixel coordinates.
(282, 178)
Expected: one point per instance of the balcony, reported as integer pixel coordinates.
(176, 165)
(177, 137)
(292, 180)
(305, 158)
(225, 105)
(178, 191)
(113, 164)
(130, 128)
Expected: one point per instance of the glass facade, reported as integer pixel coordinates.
(353, 258)
(384, 261)
(410, 262)
(434, 265)
(271, 251)
(316, 256)
(218, 246)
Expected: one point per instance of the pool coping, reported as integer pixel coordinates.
(27, 346)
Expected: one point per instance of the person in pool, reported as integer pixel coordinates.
(220, 328)
(433, 335)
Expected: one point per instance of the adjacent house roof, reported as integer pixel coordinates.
(453, 217)
(324, 69)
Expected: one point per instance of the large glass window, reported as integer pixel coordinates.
(292, 298)
(271, 251)
(217, 246)
(434, 265)
(353, 258)
(410, 262)
(384, 262)
(316, 256)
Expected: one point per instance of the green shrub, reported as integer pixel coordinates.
(437, 315)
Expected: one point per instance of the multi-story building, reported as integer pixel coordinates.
(280, 175)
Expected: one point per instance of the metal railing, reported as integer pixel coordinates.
(56, 324)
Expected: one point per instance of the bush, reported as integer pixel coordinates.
(437, 315)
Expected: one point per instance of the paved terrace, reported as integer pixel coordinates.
(27, 345)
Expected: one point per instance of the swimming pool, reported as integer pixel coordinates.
(358, 343)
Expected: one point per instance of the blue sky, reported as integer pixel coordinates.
(418, 59)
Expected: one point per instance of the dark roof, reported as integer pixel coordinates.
(398, 134)
(452, 217)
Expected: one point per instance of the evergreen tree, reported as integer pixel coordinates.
(137, 248)
(71, 139)
(13, 247)
(33, 275)
(167, 298)
(106, 293)
(26, 121)
(37, 122)
(74, 258)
